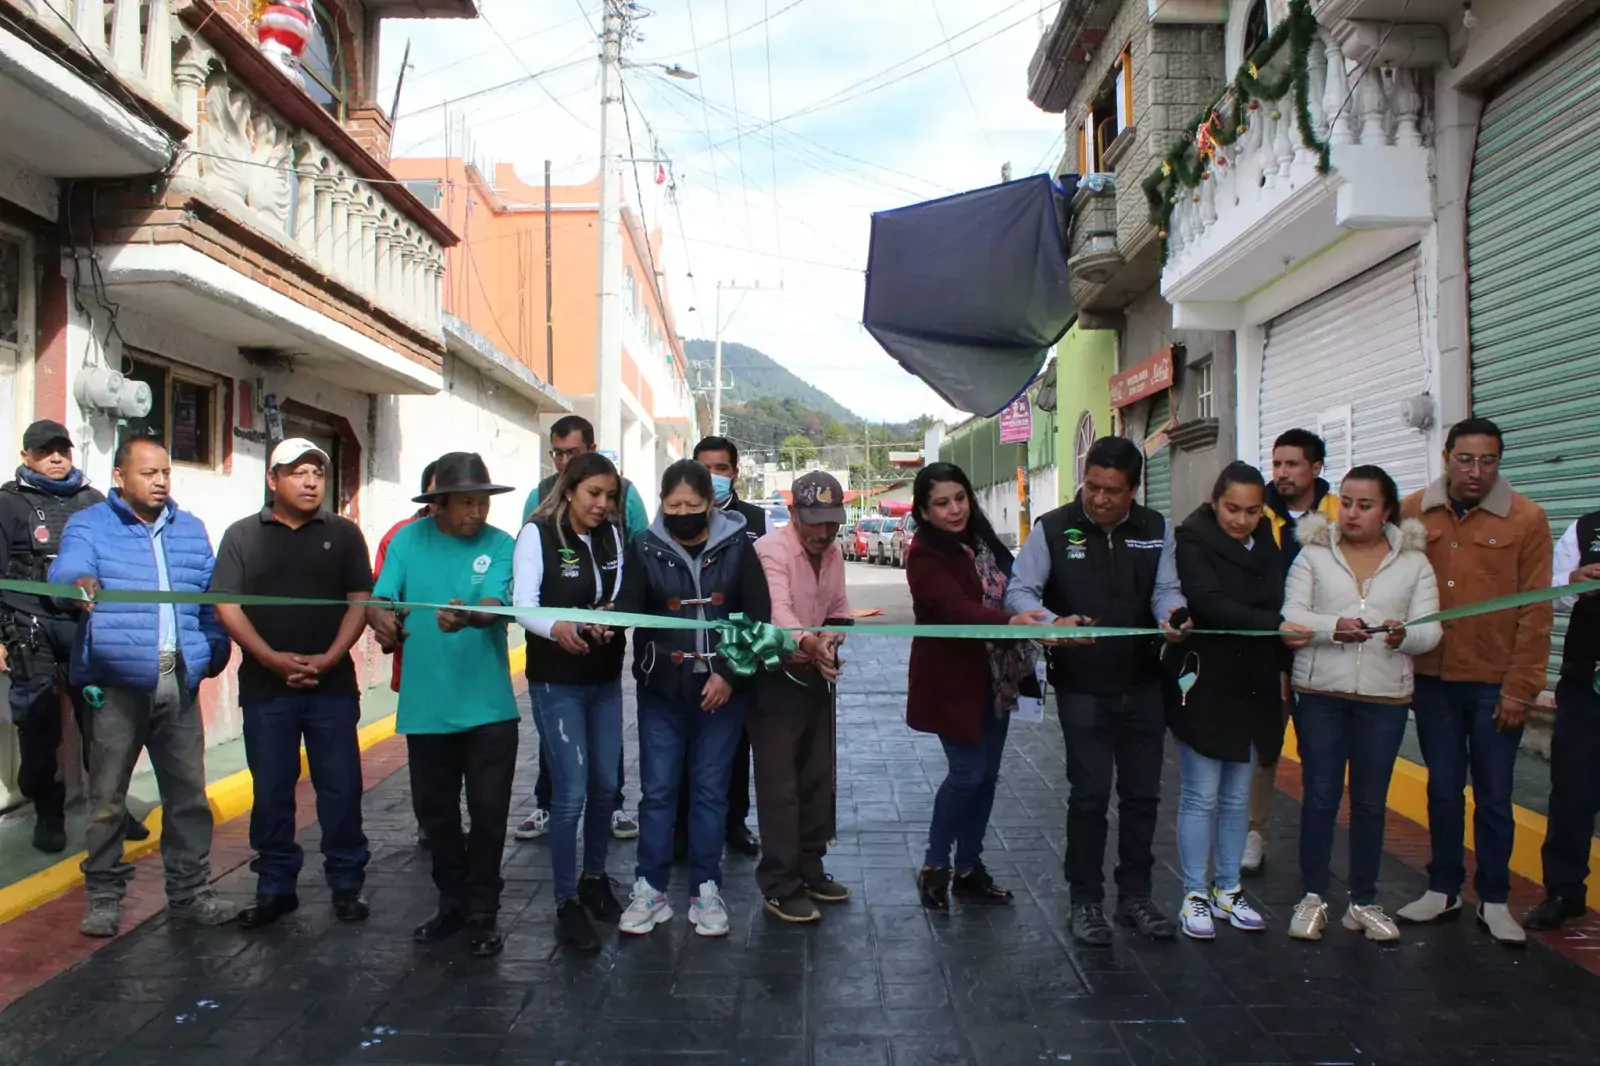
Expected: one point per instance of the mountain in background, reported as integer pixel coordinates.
(754, 374)
(766, 405)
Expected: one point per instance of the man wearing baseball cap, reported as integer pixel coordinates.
(791, 722)
(297, 680)
(38, 632)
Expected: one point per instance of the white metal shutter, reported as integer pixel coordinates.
(1158, 461)
(1342, 364)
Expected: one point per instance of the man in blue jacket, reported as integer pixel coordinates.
(145, 662)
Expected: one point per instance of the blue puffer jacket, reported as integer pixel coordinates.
(117, 641)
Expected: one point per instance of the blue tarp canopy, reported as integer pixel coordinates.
(970, 293)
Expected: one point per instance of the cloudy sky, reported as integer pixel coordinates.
(807, 116)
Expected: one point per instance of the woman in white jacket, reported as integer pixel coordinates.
(1351, 588)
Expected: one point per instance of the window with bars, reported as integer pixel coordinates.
(1205, 405)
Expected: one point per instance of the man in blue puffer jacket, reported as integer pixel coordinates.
(147, 660)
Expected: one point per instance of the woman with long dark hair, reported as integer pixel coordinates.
(1225, 694)
(962, 690)
(694, 562)
(570, 555)
(1351, 588)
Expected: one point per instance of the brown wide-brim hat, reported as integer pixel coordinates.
(460, 472)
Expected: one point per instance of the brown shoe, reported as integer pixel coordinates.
(827, 890)
(797, 908)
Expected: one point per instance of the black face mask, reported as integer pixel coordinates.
(686, 526)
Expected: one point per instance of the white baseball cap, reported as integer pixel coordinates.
(293, 450)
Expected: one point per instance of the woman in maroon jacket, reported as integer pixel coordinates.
(963, 690)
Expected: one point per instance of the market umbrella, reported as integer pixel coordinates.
(970, 293)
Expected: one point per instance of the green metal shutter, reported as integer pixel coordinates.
(1158, 465)
(1533, 266)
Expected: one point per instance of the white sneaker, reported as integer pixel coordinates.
(1231, 904)
(1430, 908)
(1255, 854)
(534, 825)
(1496, 918)
(707, 911)
(648, 910)
(1196, 917)
(623, 827)
(1372, 921)
(1310, 918)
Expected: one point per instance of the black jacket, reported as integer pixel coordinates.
(755, 518)
(31, 523)
(1580, 651)
(1237, 700)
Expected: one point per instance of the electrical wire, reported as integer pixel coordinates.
(739, 33)
(733, 84)
(965, 88)
(777, 223)
(532, 76)
(431, 72)
(705, 111)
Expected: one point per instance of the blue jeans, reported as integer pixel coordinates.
(272, 733)
(1213, 818)
(667, 729)
(1455, 727)
(1332, 732)
(961, 806)
(582, 729)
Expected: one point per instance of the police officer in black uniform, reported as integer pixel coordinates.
(1575, 744)
(38, 631)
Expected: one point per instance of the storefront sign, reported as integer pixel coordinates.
(1016, 422)
(1148, 378)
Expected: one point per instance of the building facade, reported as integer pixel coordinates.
(1127, 75)
(200, 240)
(496, 280)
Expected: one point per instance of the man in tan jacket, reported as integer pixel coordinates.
(1473, 692)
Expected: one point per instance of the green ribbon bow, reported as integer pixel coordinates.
(748, 646)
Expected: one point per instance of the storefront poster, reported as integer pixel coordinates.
(1016, 422)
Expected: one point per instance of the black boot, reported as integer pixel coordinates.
(135, 830)
(50, 834)
(933, 883)
(976, 886)
(741, 840)
(1554, 912)
(573, 928)
(441, 925)
(484, 939)
(267, 909)
(351, 907)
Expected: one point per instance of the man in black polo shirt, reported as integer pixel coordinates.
(297, 679)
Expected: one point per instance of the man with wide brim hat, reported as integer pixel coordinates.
(457, 710)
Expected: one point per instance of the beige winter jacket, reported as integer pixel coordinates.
(1322, 589)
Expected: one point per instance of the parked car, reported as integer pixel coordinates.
(879, 549)
(866, 531)
(900, 541)
(846, 539)
(777, 515)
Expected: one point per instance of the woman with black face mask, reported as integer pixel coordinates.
(694, 562)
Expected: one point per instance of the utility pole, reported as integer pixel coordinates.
(549, 290)
(716, 358)
(608, 344)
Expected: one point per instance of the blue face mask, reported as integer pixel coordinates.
(721, 488)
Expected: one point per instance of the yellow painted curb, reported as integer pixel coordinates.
(230, 797)
(1408, 797)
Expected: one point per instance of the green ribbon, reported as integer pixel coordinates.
(748, 646)
(760, 642)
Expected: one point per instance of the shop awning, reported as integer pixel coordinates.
(970, 293)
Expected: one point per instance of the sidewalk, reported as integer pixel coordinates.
(878, 981)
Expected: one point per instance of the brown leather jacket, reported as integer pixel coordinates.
(1501, 547)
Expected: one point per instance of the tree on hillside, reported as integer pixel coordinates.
(796, 451)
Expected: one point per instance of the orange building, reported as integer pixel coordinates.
(495, 282)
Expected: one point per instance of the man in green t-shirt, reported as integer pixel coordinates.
(457, 710)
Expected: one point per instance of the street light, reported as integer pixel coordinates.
(672, 71)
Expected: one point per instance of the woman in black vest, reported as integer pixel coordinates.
(1225, 702)
(569, 555)
(694, 562)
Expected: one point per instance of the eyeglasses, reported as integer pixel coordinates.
(566, 453)
(1484, 462)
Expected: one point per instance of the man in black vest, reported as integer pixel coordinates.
(1575, 746)
(721, 456)
(1104, 560)
(39, 632)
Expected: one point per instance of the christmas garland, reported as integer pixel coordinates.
(1189, 161)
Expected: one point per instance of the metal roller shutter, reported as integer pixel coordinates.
(1342, 364)
(1533, 268)
(1158, 465)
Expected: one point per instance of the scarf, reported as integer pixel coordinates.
(1010, 661)
(67, 486)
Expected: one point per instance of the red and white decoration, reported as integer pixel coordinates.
(283, 29)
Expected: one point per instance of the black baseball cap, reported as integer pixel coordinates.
(819, 499)
(44, 433)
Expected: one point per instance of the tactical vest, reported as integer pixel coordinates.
(570, 570)
(1108, 578)
(46, 516)
(1580, 654)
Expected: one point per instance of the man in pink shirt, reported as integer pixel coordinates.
(791, 722)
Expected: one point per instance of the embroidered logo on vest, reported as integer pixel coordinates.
(1077, 544)
(569, 563)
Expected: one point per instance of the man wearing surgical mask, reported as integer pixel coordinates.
(721, 457)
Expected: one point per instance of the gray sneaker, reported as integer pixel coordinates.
(100, 917)
(1089, 925)
(205, 907)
